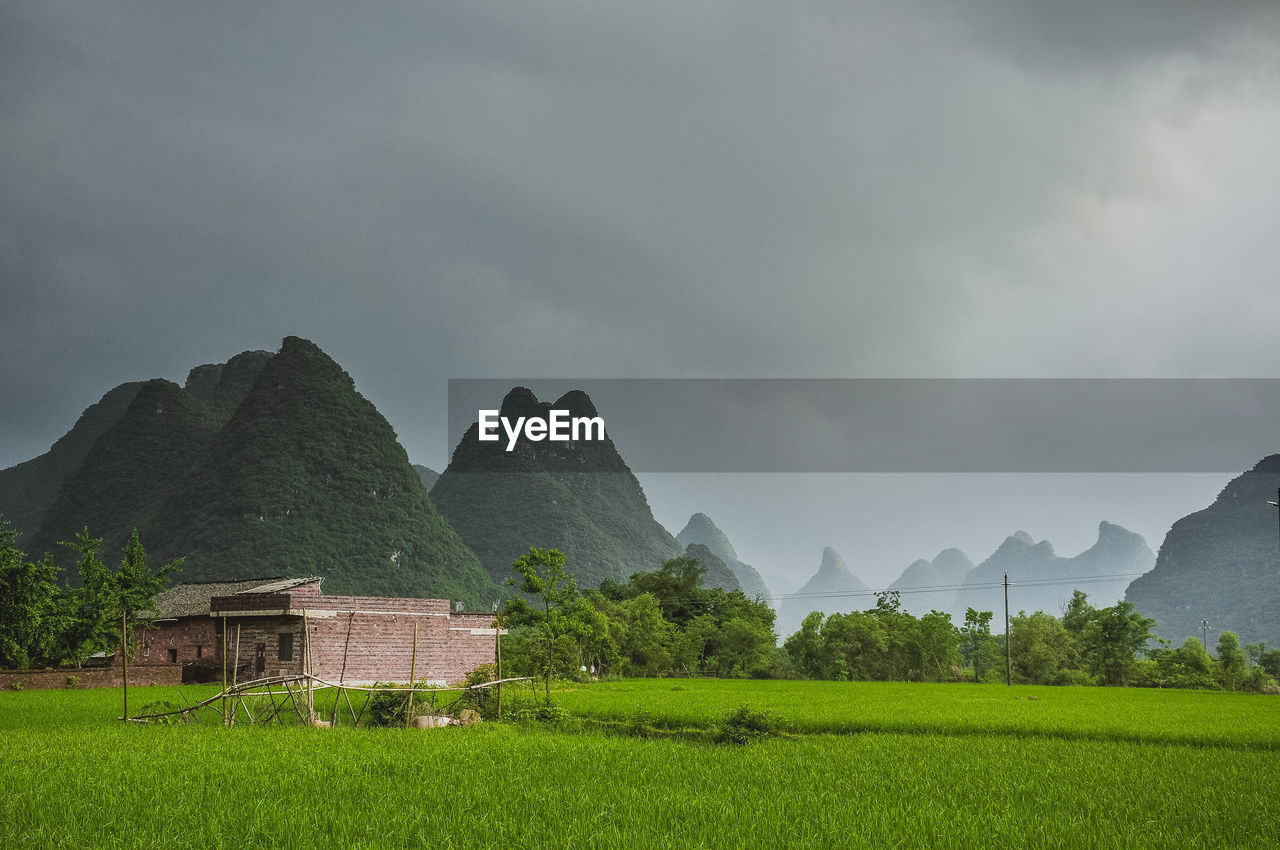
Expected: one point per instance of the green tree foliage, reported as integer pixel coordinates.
(1043, 651)
(1189, 666)
(981, 649)
(883, 643)
(28, 604)
(701, 630)
(551, 617)
(1267, 659)
(45, 623)
(1232, 661)
(658, 623)
(91, 614)
(1107, 640)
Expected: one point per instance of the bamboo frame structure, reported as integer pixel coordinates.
(296, 688)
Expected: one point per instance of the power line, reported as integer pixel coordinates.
(1048, 581)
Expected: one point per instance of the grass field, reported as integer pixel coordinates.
(869, 765)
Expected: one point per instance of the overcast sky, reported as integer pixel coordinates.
(968, 188)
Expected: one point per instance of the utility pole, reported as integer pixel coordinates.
(1204, 631)
(1276, 503)
(124, 657)
(1008, 657)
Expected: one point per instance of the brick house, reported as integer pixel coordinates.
(280, 621)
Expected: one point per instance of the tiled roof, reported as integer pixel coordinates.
(275, 586)
(192, 600)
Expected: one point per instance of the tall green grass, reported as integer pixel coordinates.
(1136, 715)
(73, 776)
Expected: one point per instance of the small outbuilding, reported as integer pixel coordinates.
(272, 626)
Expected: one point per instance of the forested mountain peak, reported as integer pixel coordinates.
(579, 497)
(268, 463)
(1220, 564)
(702, 529)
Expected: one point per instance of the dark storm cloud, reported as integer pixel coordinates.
(432, 191)
(1096, 35)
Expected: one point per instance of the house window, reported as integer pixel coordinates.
(173, 655)
(286, 646)
(199, 650)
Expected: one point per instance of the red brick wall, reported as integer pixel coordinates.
(195, 639)
(92, 677)
(380, 646)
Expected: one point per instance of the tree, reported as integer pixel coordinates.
(1231, 661)
(981, 650)
(1195, 657)
(1079, 614)
(807, 649)
(87, 610)
(136, 586)
(939, 646)
(595, 633)
(647, 637)
(1188, 666)
(854, 645)
(742, 647)
(1112, 638)
(677, 585)
(28, 599)
(1043, 650)
(543, 576)
(1267, 659)
(91, 613)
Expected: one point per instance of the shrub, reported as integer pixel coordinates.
(483, 700)
(72, 680)
(387, 707)
(640, 725)
(745, 724)
(546, 712)
(16, 686)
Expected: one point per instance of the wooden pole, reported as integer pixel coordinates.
(235, 674)
(306, 665)
(124, 657)
(1008, 657)
(224, 671)
(497, 667)
(413, 676)
(342, 676)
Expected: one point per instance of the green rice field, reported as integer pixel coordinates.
(862, 765)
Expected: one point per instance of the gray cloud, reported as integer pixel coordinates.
(881, 189)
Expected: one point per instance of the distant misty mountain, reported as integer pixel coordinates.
(780, 586)
(717, 572)
(832, 589)
(926, 586)
(1041, 580)
(578, 497)
(1221, 564)
(268, 464)
(701, 530)
(426, 475)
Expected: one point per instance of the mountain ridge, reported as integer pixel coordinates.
(579, 497)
